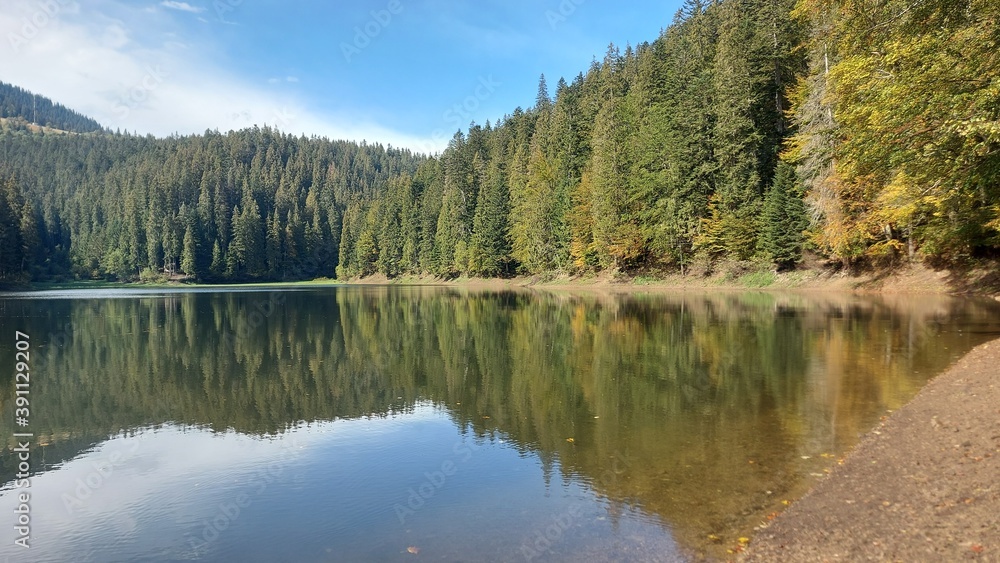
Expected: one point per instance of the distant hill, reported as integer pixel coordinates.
(16, 102)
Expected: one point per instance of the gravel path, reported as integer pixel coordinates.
(922, 486)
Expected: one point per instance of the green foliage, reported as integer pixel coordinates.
(785, 220)
(490, 251)
(10, 235)
(253, 204)
(913, 96)
(656, 157)
(757, 279)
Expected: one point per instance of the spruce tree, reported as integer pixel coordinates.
(11, 241)
(490, 250)
(784, 220)
(189, 256)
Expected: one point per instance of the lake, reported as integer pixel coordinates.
(440, 424)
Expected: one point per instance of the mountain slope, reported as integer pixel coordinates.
(16, 102)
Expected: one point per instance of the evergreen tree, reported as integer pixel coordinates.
(616, 235)
(245, 258)
(189, 256)
(11, 240)
(273, 258)
(490, 250)
(218, 267)
(757, 50)
(31, 244)
(785, 219)
(542, 101)
(675, 166)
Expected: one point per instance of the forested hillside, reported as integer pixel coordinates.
(749, 130)
(250, 205)
(24, 107)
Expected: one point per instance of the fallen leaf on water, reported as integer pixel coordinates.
(570, 440)
(485, 416)
(413, 549)
(744, 540)
(714, 538)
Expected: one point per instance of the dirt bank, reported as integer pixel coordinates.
(922, 486)
(983, 280)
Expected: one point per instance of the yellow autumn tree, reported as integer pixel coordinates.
(914, 99)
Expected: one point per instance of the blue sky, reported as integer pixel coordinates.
(405, 72)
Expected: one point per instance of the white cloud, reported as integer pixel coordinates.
(182, 6)
(145, 82)
(170, 468)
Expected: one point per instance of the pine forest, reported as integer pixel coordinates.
(864, 132)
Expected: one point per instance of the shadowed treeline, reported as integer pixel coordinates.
(710, 401)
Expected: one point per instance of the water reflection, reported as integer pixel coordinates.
(696, 415)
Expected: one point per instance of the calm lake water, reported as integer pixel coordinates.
(434, 424)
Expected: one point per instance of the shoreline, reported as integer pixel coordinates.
(983, 281)
(913, 279)
(921, 486)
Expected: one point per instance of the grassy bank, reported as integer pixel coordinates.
(984, 279)
(981, 279)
